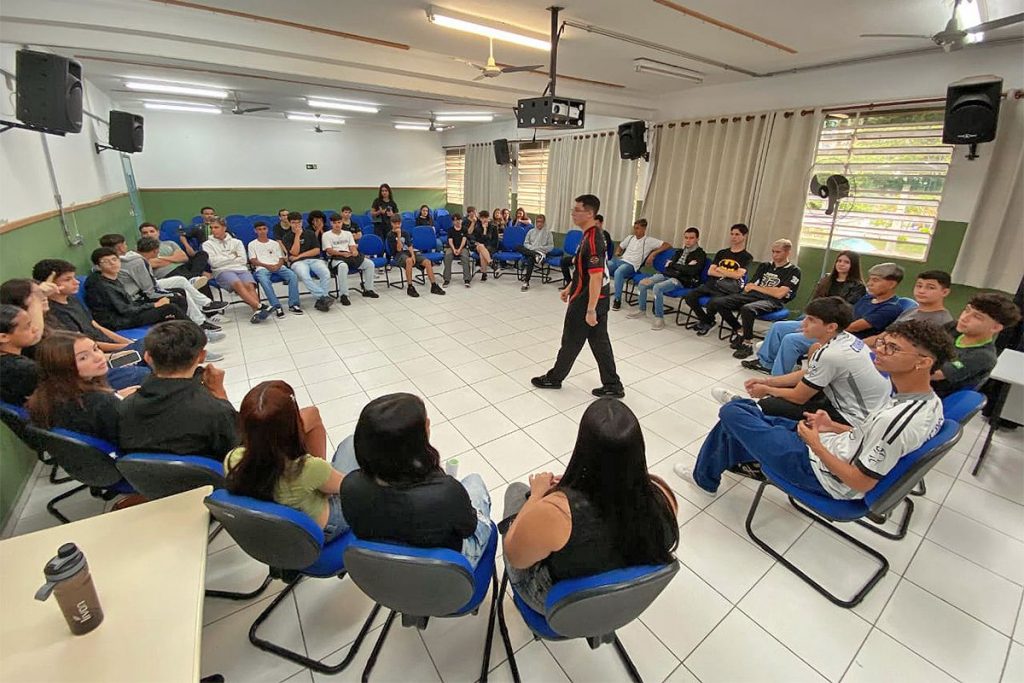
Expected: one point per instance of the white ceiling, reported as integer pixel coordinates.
(270, 63)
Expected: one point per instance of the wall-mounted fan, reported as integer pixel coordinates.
(835, 188)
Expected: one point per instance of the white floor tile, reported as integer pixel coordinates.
(988, 508)
(557, 434)
(729, 563)
(525, 409)
(514, 455)
(673, 426)
(1014, 670)
(778, 526)
(403, 658)
(535, 664)
(447, 440)
(883, 659)
(686, 595)
(484, 425)
(653, 660)
(332, 611)
(991, 549)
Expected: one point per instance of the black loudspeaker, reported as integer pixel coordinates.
(631, 140)
(125, 131)
(972, 110)
(501, 152)
(49, 91)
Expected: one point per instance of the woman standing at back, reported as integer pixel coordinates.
(382, 209)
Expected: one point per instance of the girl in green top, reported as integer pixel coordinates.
(274, 462)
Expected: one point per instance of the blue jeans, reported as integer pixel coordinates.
(473, 547)
(660, 284)
(620, 270)
(127, 376)
(344, 461)
(309, 267)
(263, 277)
(745, 434)
(783, 347)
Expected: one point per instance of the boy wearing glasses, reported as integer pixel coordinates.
(822, 456)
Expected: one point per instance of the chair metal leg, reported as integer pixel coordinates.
(51, 507)
(54, 479)
(856, 599)
(902, 527)
(503, 627)
(486, 665)
(231, 595)
(920, 489)
(305, 661)
(624, 656)
(378, 646)
(217, 528)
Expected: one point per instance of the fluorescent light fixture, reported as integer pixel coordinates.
(410, 126)
(313, 118)
(364, 107)
(172, 89)
(652, 66)
(439, 17)
(970, 15)
(170, 106)
(451, 118)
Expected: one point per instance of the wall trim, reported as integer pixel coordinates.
(299, 188)
(29, 220)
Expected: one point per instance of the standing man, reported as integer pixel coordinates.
(586, 318)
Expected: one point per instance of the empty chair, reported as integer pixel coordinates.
(17, 420)
(169, 229)
(372, 247)
(424, 240)
(513, 237)
(963, 405)
(660, 261)
(569, 247)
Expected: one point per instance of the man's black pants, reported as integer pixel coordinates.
(156, 315)
(749, 305)
(565, 263)
(692, 300)
(529, 259)
(197, 264)
(780, 407)
(576, 332)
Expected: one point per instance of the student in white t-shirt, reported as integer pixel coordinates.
(632, 254)
(267, 257)
(343, 253)
(821, 456)
(840, 378)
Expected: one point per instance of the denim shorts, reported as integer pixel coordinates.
(336, 524)
(228, 278)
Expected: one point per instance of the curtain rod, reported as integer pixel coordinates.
(1017, 94)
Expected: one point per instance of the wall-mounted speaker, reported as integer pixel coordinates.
(49, 91)
(631, 140)
(126, 133)
(501, 152)
(972, 110)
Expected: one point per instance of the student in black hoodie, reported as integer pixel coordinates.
(110, 304)
(683, 270)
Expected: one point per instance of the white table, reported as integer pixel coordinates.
(148, 563)
(1010, 370)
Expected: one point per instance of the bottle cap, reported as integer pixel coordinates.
(68, 562)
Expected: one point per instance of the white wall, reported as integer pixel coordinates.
(82, 175)
(188, 150)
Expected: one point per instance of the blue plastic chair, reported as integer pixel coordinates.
(569, 246)
(169, 229)
(17, 420)
(513, 237)
(905, 304)
(424, 240)
(660, 261)
(442, 221)
(876, 506)
(591, 607)
(292, 545)
(133, 333)
(963, 405)
(373, 248)
(363, 221)
(420, 583)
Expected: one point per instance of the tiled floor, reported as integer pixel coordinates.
(949, 609)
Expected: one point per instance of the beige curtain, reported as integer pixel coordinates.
(993, 248)
(589, 163)
(487, 184)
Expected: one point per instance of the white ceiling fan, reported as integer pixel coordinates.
(492, 70)
(239, 110)
(953, 36)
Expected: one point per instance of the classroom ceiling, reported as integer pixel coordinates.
(387, 52)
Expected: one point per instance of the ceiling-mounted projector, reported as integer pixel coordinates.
(550, 110)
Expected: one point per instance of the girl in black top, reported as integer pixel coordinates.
(483, 238)
(844, 281)
(423, 216)
(382, 209)
(18, 374)
(606, 512)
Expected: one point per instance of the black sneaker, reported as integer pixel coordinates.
(278, 311)
(612, 392)
(344, 300)
(755, 364)
(744, 350)
(702, 329)
(297, 310)
(214, 307)
(483, 276)
(411, 291)
(324, 304)
(750, 470)
(616, 305)
(370, 294)
(434, 289)
(467, 284)
(210, 327)
(736, 340)
(543, 382)
(446, 283)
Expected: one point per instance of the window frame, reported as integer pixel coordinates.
(455, 175)
(533, 158)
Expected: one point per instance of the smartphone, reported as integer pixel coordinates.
(181, 230)
(123, 358)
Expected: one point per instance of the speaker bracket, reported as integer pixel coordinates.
(8, 125)
(101, 148)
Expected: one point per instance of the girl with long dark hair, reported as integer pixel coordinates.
(400, 493)
(274, 462)
(844, 281)
(18, 374)
(382, 209)
(606, 512)
(424, 217)
(522, 220)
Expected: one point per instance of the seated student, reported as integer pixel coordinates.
(196, 303)
(840, 379)
(498, 220)
(632, 254)
(457, 247)
(199, 232)
(302, 246)
(725, 276)
(228, 262)
(684, 270)
(782, 349)
(110, 304)
(174, 260)
(983, 318)
(483, 238)
(539, 241)
(606, 512)
(567, 259)
(73, 392)
(282, 226)
(821, 456)
(346, 223)
(400, 493)
(19, 373)
(772, 286)
(30, 295)
(266, 256)
(317, 222)
(930, 291)
(404, 256)
(280, 461)
(424, 216)
(343, 253)
(522, 220)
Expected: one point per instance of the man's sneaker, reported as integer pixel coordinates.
(525, 288)
(411, 291)
(278, 311)
(212, 337)
(264, 312)
(743, 351)
(214, 357)
(686, 473)
(750, 470)
(736, 339)
(297, 310)
(446, 283)
(702, 329)
(638, 313)
(371, 294)
(210, 327)
(214, 307)
(344, 300)
(755, 364)
(435, 289)
(324, 304)
(199, 281)
(723, 395)
(658, 324)
(467, 284)
(483, 275)
(257, 317)
(611, 392)
(617, 304)
(757, 346)
(543, 382)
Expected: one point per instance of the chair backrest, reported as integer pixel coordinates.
(156, 475)
(86, 458)
(905, 303)
(81, 291)
(408, 223)
(169, 229)
(17, 420)
(363, 221)
(909, 470)
(371, 245)
(514, 237)
(662, 259)
(196, 220)
(421, 582)
(599, 605)
(572, 241)
(244, 231)
(962, 405)
(424, 238)
(274, 534)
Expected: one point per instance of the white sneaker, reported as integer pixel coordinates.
(686, 474)
(637, 314)
(757, 346)
(214, 357)
(723, 395)
(658, 324)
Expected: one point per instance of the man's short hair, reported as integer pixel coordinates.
(540, 215)
(396, 219)
(100, 253)
(589, 202)
(207, 207)
(742, 227)
(940, 276)
(642, 222)
(887, 271)
(111, 240)
(147, 225)
(147, 244)
(334, 217)
(995, 305)
(693, 230)
(48, 266)
(258, 224)
(927, 337)
(294, 216)
(470, 209)
(784, 244)
(346, 208)
(174, 345)
(484, 214)
(599, 218)
(280, 210)
(217, 220)
(831, 309)
(456, 216)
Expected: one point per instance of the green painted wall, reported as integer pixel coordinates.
(16, 463)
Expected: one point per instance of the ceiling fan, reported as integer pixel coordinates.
(237, 109)
(492, 70)
(318, 129)
(954, 37)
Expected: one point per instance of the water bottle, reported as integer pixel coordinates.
(68, 578)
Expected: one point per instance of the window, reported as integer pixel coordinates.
(455, 174)
(533, 176)
(897, 165)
